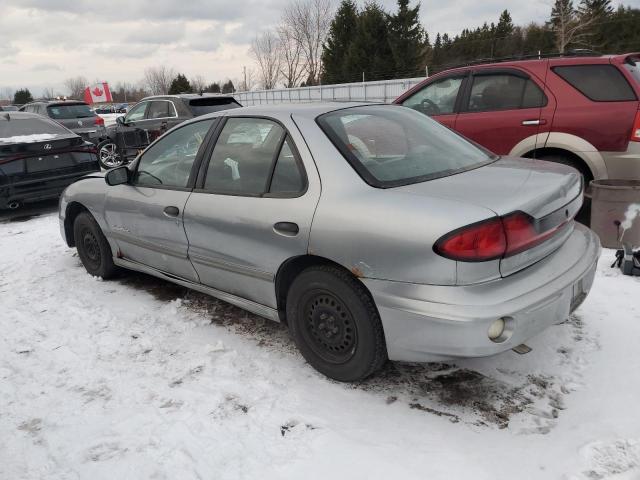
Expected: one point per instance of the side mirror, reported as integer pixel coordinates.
(120, 120)
(117, 176)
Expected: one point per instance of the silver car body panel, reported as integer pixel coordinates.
(226, 246)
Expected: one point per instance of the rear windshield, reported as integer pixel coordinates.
(201, 106)
(391, 145)
(633, 66)
(600, 83)
(28, 129)
(61, 112)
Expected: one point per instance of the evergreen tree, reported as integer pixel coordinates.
(22, 96)
(213, 88)
(407, 39)
(502, 45)
(340, 38)
(228, 87)
(597, 13)
(370, 51)
(180, 84)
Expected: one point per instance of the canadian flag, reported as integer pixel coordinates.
(97, 93)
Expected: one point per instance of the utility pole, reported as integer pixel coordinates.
(245, 78)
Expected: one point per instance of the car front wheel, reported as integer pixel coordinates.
(93, 248)
(335, 324)
(108, 155)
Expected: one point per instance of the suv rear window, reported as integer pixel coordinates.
(61, 112)
(600, 83)
(391, 146)
(201, 106)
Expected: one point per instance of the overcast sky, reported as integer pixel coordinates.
(42, 42)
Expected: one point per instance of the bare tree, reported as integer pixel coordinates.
(265, 50)
(48, 93)
(6, 93)
(309, 21)
(198, 84)
(76, 86)
(158, 79)
(291, 65)
(247, 82)
(568, 26)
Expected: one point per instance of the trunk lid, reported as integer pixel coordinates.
(548, 192)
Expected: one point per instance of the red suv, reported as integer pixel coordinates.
(582, 111)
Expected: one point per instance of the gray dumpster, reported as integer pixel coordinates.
(615, 212)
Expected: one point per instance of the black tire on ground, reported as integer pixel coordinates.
(335, 324)
(93, 249)
(108, 154)
(584, 215)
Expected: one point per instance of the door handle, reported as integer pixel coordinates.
(171, 211)
(534, 122)
(288, 229)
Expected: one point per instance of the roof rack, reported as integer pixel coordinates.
(577, 52)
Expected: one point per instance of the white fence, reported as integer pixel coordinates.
(381, 91)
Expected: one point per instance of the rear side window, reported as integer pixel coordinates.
(633, 66)
(599, 83)
(60, 112)
(504, 92)
(201, 106)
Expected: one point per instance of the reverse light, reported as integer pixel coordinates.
(635, 132)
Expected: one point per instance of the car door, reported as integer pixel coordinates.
(160, 117)
(145, 216)
(253, 206)
(439, 99)
(503, 107)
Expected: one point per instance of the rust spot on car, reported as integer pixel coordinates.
(357, 272)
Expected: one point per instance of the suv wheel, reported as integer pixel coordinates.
(108, 154)
(335, 324)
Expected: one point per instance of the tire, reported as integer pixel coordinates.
(93, 249)
(335, 324)
(108, 154)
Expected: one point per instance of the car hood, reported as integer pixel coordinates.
(509, 184)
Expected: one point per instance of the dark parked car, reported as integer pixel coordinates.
(39, 158)
(580, 110)
(73, 114)
(150, 118)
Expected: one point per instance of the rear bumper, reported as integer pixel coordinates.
(37, 189)
(427, 322)
(623, 164)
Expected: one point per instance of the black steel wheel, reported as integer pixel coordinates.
(335, 324)
(93, 248)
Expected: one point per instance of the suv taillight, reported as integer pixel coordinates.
(493, 238)
(635, 132)
(99, 120)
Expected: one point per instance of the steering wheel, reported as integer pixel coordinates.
(429, 107)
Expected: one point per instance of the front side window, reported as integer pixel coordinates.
(390, 146)
(437, 98)
(599, 83)
(160, 109)
(168, 162)
(504, 92)
(241, 162)
(137, 112)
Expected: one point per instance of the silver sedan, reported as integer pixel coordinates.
(374, 232)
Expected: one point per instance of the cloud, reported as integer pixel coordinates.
(43, 67)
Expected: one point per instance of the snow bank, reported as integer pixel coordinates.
(33, 138)
(137, 378)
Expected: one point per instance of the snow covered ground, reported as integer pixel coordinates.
(140, 379)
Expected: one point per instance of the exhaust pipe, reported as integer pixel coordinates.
(14, 205)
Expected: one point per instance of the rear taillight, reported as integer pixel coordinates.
(493, 238)
(99, 120)
(635, 132)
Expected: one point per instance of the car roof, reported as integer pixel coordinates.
(188, 96)
(58, 102)
(4, 115)
(307, 110)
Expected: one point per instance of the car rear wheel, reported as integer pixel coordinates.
(108, 155)
(335, 324)
(93, 249)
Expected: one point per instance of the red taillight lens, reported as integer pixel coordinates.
(475, 243)
(494, 238)
(99, 121)
(635, 133)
